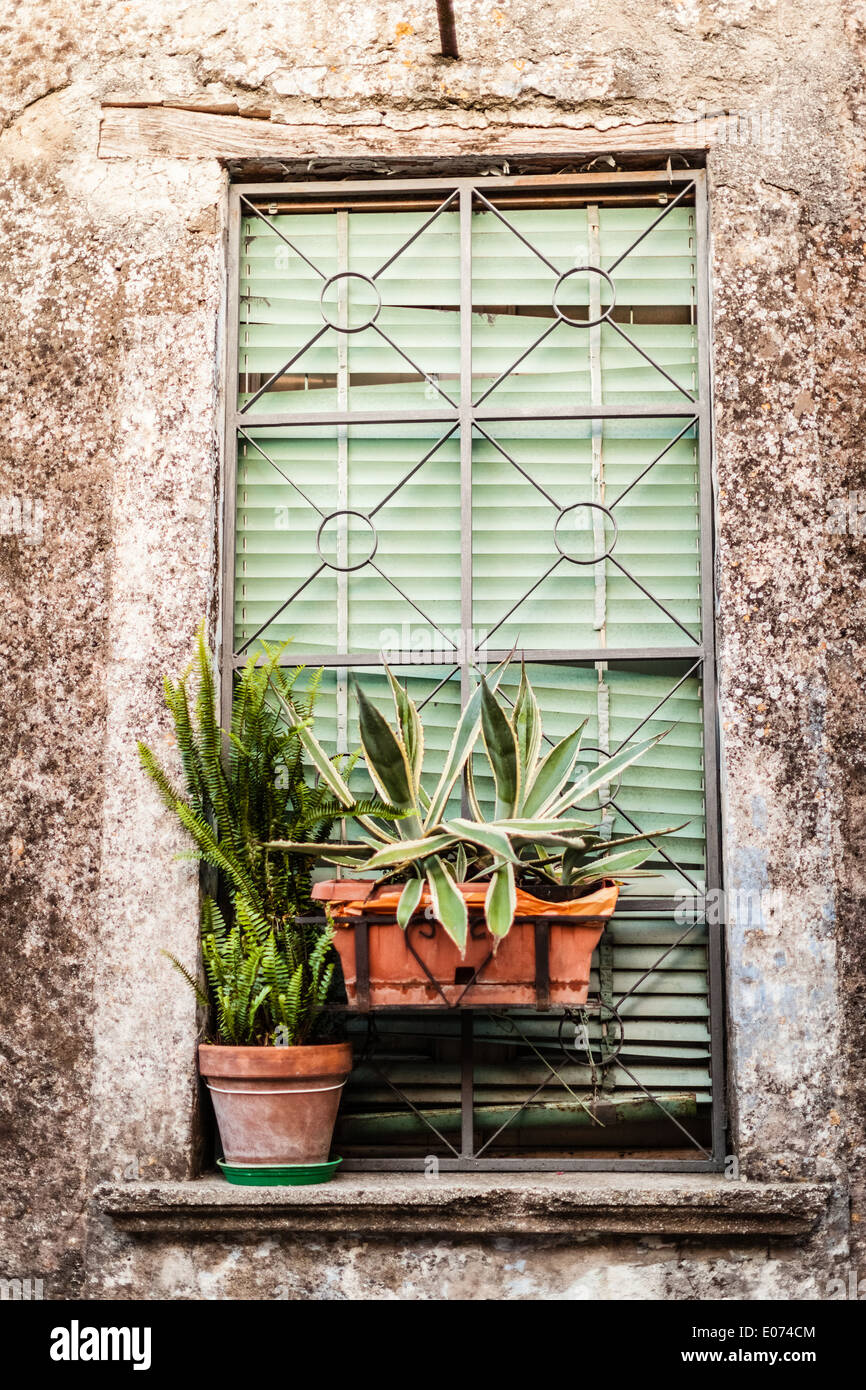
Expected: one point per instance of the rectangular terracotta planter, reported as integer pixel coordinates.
(506, 975)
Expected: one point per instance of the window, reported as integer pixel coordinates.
(470, 415)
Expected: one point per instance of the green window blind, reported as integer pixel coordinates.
(459, 433)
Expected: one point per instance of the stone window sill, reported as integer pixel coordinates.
(473, 1205)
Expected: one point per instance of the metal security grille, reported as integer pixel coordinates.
(466, 416)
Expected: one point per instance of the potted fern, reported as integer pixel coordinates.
(274, 1077)
(469, 890)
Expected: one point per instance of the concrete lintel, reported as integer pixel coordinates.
(472, 1205)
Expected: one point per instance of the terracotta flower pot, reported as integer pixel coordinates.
(506, 975)
(276, 1105)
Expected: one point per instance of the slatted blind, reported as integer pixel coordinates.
(583, 532)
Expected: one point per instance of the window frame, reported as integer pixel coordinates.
(676, 183)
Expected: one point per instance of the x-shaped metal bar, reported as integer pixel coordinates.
(368, 1059)
(553, 502)
(609, 271)
(628, 739)
(378, 507)
(275, 376)
(554, 1075)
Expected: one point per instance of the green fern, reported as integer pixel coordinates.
(265, 970)
(190, 979)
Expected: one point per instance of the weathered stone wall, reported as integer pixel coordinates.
(112, 318)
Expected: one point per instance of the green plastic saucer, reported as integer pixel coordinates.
(286, 1175)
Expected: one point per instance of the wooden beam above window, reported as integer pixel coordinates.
(148, 131)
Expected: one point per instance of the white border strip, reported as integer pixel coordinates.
(282, 1091)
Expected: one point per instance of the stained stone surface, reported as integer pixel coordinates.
(112, 321)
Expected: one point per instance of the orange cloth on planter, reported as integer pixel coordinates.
(356, 896)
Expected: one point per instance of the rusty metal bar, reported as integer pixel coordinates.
(311, 190)
(542, 964)
(467, 1086)
(447, 29)
(362, 966)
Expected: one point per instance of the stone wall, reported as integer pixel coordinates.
(111, 288)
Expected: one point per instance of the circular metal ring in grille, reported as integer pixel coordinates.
(584, 323)
(351, 275)
(332, 564)
(596, 506)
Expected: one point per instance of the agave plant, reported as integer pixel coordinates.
(536, 834)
